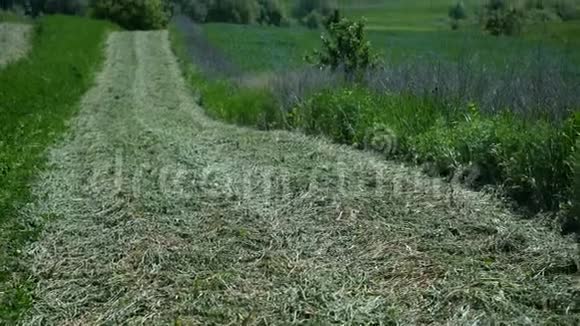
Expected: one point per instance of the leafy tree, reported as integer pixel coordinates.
(268, 12)
(458, 11)
(271, 12)
(233, 11)
(303, 8)
(313, 20)
(346, 47)
(502, 19)
(133, 14)
(68, 7)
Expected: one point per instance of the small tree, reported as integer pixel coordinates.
(346, 47)
(458, 11)
(271, 12)
(303, 8)
(133, 14)
(501, 18)
(313, 20)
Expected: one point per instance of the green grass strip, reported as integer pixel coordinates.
(37, 97)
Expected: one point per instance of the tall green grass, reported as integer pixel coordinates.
(223, 99)
(529, 160)
(38, 95)
(574, 218)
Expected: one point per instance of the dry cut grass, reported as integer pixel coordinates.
(14, 42)
(156, 214)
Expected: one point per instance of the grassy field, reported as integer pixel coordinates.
(400, 30)
(161, 215)
(519, 77)
(37, 97)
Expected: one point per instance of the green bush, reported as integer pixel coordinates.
(313, 20)
(458, 11)
(133, 14)
(233, 11)
(357, 116)
(346, 47)
(267, 12)
(529, 160)
(501, 19)
(575, 216)
(302, 8)
(69, 7)
(271, 13)
(195, 9)
(565, 9)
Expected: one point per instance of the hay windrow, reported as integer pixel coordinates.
(14, 42)
(156, 214)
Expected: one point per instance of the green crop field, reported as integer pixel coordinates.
(399, 30)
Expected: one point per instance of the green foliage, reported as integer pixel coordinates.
(576, 191)
(69, 7)
(267, 12)
(303, 8)
(233, 11)
(271, 13)
(346, 47)
(501, 18)
(458, 11)
(240, 105)
(133, 14)
(565, 9)
(223, 100)
(356, 116)
(313, 20)
(37, 97)
(528, 159)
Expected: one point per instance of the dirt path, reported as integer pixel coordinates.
(155, 214)
(14, 42)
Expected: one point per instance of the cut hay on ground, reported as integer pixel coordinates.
(14, 42)
(157, 215)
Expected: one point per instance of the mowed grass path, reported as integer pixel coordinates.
(14, 42)
(159, 215)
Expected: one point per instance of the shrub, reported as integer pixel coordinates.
(458, 11)
(313, 20)
(566, 9)
(195, 9)
(133, 14)
(357, 116)
(233, 11)
(68, 7)
(345, 47)
(575, 216)
(271, 13)
(528, 159)
(303, 8)
(503, 21)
